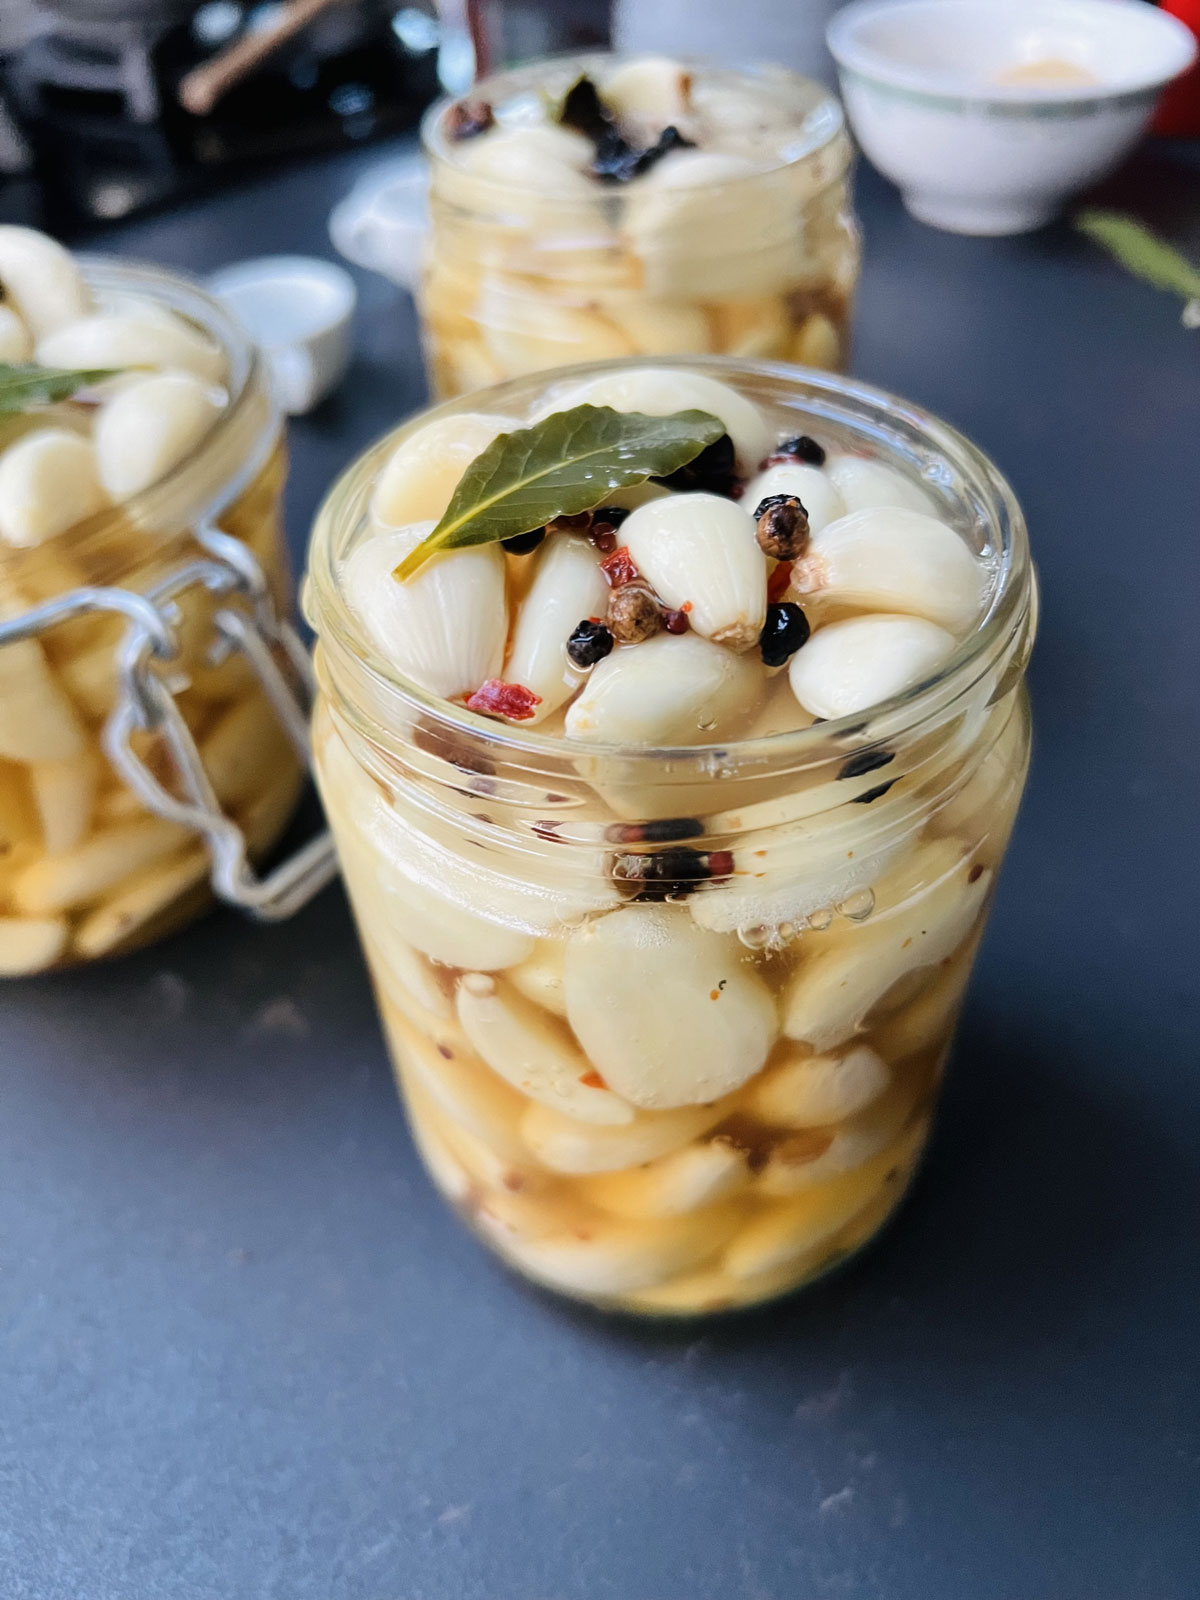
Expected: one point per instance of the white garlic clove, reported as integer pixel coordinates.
(756, 330)
(534, 1052)
(817, 493)
(863, 661)
(660, 391)
(669, 690)
(700, 551)
(864, 484)
(42, 280)
(65, 795)
(617, 1258)
(134, 339)
(528, 333)
(37, 720)
(16, 342)
(885, 559)
(668, 1014)
(660, 327)
(30, 944)
(568, 587)
(149, 427)
(463, 1089)
(926, 1020)
(420, 476)
(698, 1175)
(564, 1144)
(809, 1091)
(409, 976)
(48, 483)
(444, 628)
(549, 160)
(540, 979)
(925, 909)
(653, 90)
(811, 1157)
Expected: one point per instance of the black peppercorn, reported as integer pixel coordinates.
(520, 544)
(590, 642)
(664, 875)
(783, 530)
(607, 519)
(713, 471)
(865, 761)
(784, 631)
(664, 830)
(799, 448)
(873, 794)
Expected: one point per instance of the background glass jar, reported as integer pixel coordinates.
(85, 870)
(520, 984)
(518, 278)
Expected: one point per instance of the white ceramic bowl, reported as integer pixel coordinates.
(989, 114)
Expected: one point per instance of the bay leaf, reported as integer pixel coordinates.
(560, 466)
(1141, 252)
(25, 384)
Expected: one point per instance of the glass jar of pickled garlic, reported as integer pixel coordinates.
(685, 208)
(139, 529)
(670, 1023)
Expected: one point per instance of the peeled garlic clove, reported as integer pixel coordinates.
(668, 1014)
(100, 863)
(927, 1019)
(698, 1175)
(564, 1144)
(16, 342)
(133, 339)
(807, 1091)
(650, 89)
(42, 281)
(660, 391)
(37, 720)
(30, 944)
(816, 492)
(410, 973)
(865, 484)
(699, 551)
(526, 332)
(533, 1052)
(660, 327)
(614, 1258)
(149, 427)
(461, 1088)
(444, 628)
(668, 690)
(755, 330)
(813, 1157)
(549, 160)
(924, 911)
(567, 587)
(540, 979)
(48, 483)
(421, 474)
(851, 665)
(65, 795)
(889, 560)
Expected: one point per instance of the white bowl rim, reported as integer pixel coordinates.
(865, 61)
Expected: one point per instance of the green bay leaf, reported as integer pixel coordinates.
(1141, 252)
(560, 466)
(26, 385)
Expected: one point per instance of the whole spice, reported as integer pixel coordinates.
(713, 471)
(467, 118)
(779, 582)
(499, 699)
(873, 794)
(665, 830)
(675, 621)
(633, 614)
(783, 530)
(857, 766)
(590, 642)
(784, 631)
(800, 448)
(669, 874)
(520, 544)
(619, 569)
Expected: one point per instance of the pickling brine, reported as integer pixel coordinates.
(670, 790)
(135, 415)
(593, 207)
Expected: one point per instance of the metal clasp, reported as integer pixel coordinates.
(145, 703)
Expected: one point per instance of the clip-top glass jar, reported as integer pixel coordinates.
(490, 871)
(151, 708)
(531, 263)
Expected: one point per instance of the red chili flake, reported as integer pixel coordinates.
(777, 583)
(676, 621)
(619, 569)
(592, 1080)
(499, 699)
(687, 608)
(714, 994)
(720, 863)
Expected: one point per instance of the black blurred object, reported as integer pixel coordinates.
(96, 95)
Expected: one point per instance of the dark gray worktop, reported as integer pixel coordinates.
(245, 1354)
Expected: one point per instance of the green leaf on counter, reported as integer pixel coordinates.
(567, 463)
(28, 385)
(1141, 252)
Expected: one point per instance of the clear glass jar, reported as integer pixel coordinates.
(488, 871)
(762, 267)
(85, 869)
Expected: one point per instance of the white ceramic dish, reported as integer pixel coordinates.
(298, 310)
(990, 114)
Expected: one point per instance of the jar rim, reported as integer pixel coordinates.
(824, 120)
(245, 385)
(829, 398)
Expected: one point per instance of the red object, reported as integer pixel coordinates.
(777, 583)
(619, 569)
(676, 621)
(720, 863)
(498, 699)
(1178, 113)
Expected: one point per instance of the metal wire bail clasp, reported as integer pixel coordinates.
(145, 703)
